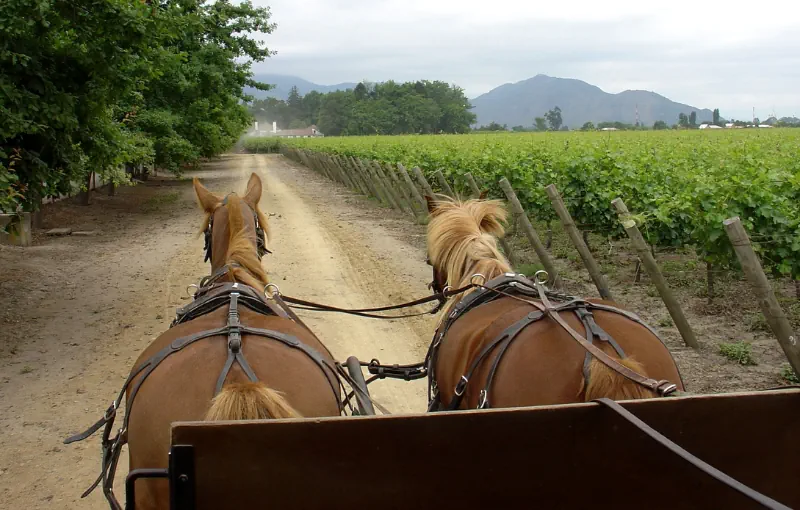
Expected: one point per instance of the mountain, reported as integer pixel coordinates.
(517, 104)
(283, 84)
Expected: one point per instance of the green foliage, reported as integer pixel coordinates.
(540, 123)
(739, 352)
(788, 375)
(493, 126)
(554, 118)
(659, 125)
(681, 184)
(588, 126)
(90, 86)
(388, 108)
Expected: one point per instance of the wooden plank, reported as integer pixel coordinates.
(651, 266)
(773, 313)
(568, 456)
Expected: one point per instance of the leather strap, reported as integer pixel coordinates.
(662, 387)
(706, 468)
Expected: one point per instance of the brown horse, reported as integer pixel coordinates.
(232, 354)
(507, 352)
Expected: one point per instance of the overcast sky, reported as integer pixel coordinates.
(703, 53)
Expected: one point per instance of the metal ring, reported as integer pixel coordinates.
(197, 288)
(541, 277)
(472, 279)
(446, 289)
(269, 294)
(482, 399)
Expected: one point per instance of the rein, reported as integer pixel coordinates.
(441, 297)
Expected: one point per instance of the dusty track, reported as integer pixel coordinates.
(76, 311)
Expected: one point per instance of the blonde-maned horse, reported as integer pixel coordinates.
(540, 362)
(252, 362)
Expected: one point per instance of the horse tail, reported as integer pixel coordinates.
(249, 401)
(605, 382)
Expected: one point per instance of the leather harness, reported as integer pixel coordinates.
(210, 297)
(517, 286)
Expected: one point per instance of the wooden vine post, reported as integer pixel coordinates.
(401, 193)
(577, 239)
(533, 237)
(476, 193)
(444, 184)
(426, 187)
(370, 180)
(362, 184)
(651, 266)
(776, 318)
(391, 194)
(415, 195)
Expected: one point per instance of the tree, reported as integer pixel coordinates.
(715, 117)
(493, 126)
(541, 123)
(693, 119)
(554, 118)
(683, 120)
(588, 126)
(659, 124)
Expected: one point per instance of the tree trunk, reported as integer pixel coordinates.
(637, 277)
(710, 281)
(86, 196)
(112, 188)
(37, 215)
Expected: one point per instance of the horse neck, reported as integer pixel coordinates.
(241, 253)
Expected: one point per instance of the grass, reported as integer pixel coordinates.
(788, 375)
(157, 201)
(739, 352)
(529, 269)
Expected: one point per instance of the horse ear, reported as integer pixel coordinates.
(431, 203)
(208, 201)
(253, 194)
(483, 194)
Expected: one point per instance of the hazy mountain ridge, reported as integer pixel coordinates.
(519, 103)
(283, 84)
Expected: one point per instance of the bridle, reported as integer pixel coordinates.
(261, 243)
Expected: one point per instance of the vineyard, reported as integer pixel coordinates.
(680, 185)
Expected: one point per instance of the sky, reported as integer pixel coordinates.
(708, 54)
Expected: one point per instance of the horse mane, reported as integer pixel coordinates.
(241, 249)
(462, 240)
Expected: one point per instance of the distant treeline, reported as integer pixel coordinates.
(388, 108)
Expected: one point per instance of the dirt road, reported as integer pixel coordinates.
(76, 311)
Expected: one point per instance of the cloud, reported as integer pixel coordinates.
(708, 54)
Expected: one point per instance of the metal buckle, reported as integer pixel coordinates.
(461, 386)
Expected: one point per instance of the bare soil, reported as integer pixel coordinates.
(76, 311)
